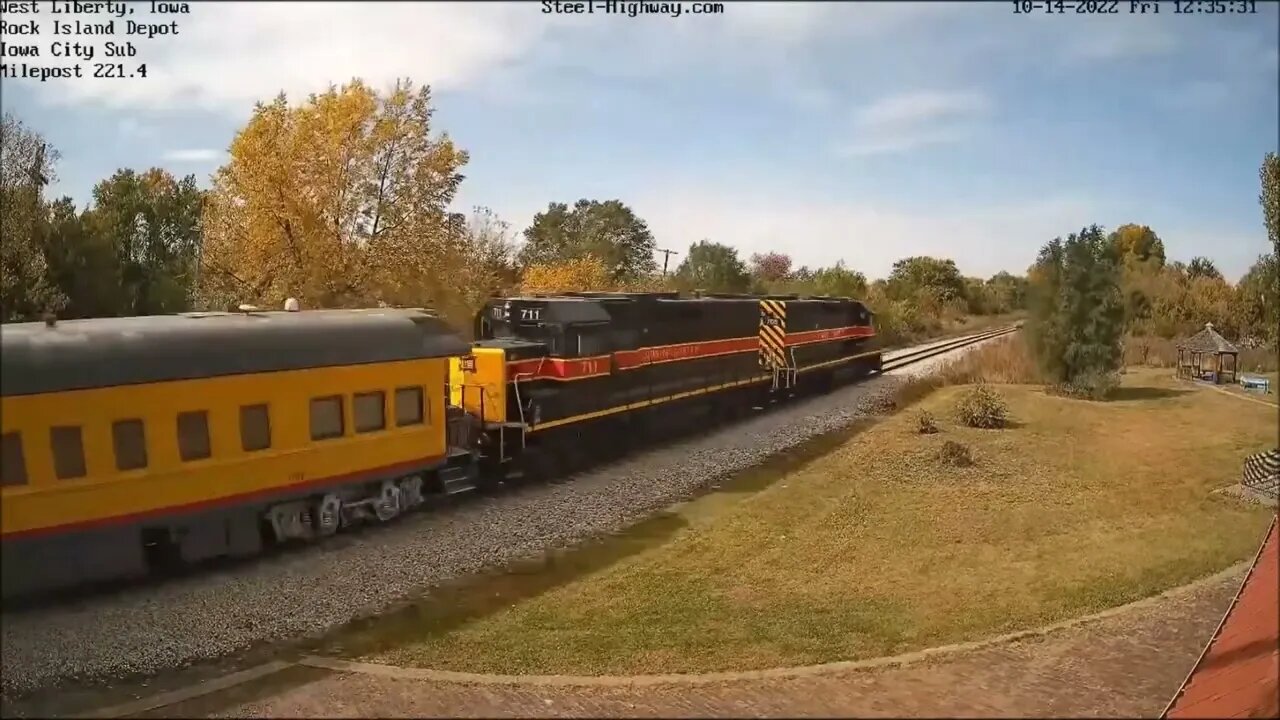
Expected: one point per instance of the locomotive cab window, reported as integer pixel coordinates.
(13, 466)
(68, 452)
(590, 341)
(130, 440)
(193, 435)
(370, 410)
(409, 406)
(326, 417)
(255, 428)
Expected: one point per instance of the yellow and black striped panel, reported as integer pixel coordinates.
(773, 333)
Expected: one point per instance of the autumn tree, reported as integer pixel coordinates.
(770, 267)
(1138, 244)
(609, 231)
(489, 250)
(26, 166)
(1077, 312)
(341, 200)
(579, 274)
(713, 267)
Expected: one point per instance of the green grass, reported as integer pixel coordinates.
(875, 548)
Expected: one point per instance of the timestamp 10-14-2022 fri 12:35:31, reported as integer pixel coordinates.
(1135, 7)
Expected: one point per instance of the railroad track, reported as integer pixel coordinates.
(145, 629)
(909, 357)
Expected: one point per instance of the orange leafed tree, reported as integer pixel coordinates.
(340, 201)
(578, 274)
(587, 273)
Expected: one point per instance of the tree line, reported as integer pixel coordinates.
(1092, 293)
(346, 199)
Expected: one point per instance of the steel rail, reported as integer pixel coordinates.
(935, 350)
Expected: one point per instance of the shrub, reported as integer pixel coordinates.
(925, 424)
(1005, 360)
(982, 407)
(954, 454)
(1090, 386)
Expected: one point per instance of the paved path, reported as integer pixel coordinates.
(1237, 675)
(1127, 665)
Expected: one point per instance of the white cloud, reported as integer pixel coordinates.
(1114, 40)
(193, 155)
(899, 123)
(793, 23)
(921, 107)
(868, 238)
(229, 55)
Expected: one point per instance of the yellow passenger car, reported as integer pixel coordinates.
(127, 443)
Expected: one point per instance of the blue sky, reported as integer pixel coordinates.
(856, 131)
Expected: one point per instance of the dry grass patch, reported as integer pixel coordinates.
(878, 548)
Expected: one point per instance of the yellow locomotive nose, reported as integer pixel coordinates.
(478, 384)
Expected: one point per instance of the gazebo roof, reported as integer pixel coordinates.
(1207, 341)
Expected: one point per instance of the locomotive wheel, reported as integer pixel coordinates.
(328, 515)
(387, 506)
(411, 492)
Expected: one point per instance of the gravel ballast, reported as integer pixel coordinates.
(290, 596)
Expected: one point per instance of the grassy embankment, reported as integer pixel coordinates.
(876, 548)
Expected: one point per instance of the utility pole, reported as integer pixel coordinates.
(666, 255)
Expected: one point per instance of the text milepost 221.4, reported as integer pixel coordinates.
(104, 40)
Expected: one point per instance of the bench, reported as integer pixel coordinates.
(1255, 383)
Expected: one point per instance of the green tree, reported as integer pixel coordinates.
(839, 281)
(1077, 310)
(713, 267)
(1259, 294)
(938, 278)
(26, 166)
(609, 231)
(153, 223)
(1203, 267)
(82, 264)
(1269, 198)
(1008, 292)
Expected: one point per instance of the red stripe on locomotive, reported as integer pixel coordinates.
(578, 368)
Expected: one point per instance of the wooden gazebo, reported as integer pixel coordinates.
(1203, 356)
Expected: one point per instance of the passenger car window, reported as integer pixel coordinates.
(409, 406)
(13, 466)
(193, 435)
(68, 452)
(370, 410)
(255, 428)
(326, 417)
(130, 440)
